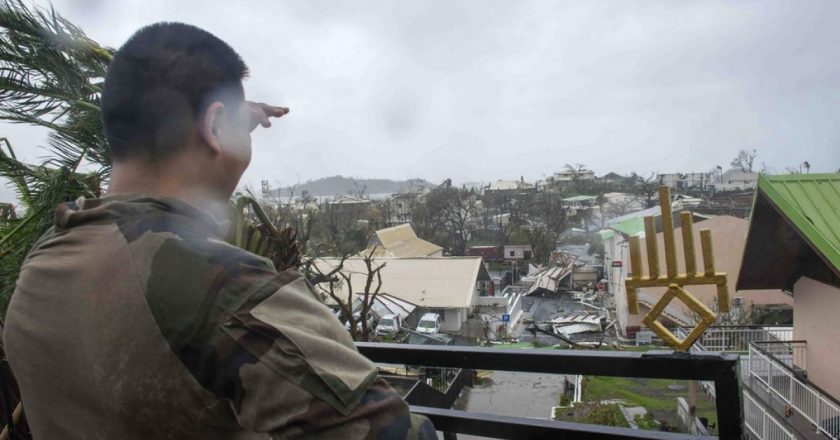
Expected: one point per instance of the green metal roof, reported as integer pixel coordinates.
(631, 226)
(811, 202)
(606, 234)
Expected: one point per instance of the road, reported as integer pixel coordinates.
(513, 394)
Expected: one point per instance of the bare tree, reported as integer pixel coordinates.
(744, 160)
(359, 190)
(448, 217)
(338, 276)
(340, 229)
(542, 240)
(646, 188)
(576, 172)
(545, 220)
(501, 214)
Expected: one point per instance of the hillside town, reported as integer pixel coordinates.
(515, 263)
(150, 288)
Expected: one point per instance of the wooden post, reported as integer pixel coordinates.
(708, 252)
(652, 247)
(688, 244)
(668, 232)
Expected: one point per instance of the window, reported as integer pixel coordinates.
(512, 253)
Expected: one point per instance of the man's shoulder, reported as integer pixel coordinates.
(191, 279)
(162, 244)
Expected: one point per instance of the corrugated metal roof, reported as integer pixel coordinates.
(631, 226)
(812, 203)
(440, 282)
(503, 185)
(386, 304)
(793, 232)
(656, 210)
(579, 199)
(606, 234)
(401, 242)
(634, 223)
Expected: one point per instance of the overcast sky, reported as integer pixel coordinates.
(480, 90)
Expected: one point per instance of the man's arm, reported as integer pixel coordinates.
(297, 373)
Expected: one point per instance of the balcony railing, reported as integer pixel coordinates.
(778, 368)
(738, 338)
(793, 354)
(761, 424)
(721, 369)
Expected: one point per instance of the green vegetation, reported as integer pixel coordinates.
(565, 399)
(653, 394)
(646, 422)
(598, 414)
(50, 76)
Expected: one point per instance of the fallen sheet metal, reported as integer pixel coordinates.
(577, 323)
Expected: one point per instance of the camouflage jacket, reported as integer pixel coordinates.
(133, 319)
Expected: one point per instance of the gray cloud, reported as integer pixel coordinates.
(478, 90)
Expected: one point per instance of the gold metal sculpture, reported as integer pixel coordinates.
(674, 281)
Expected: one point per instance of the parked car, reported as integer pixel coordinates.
(429, 324)
(358, 318)
(389, 325)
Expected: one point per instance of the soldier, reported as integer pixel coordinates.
(133, 319)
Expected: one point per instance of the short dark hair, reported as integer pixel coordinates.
(160, 82)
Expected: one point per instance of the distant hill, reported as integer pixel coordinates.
(340, 185)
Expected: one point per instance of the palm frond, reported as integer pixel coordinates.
(50, 76)
(257, 234)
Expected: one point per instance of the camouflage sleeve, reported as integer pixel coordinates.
(298, 374)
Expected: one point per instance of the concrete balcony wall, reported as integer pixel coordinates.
(815, 320)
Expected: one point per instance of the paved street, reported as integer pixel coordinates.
(513, 394)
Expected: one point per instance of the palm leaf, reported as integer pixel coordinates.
(253, 231)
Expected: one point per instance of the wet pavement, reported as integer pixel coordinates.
(513, 394)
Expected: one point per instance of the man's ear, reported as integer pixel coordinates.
(212, 125)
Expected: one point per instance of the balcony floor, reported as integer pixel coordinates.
(796, 423)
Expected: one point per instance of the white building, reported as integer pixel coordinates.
(685, 180)
(736, 180)
(519, 252)
(448, 286)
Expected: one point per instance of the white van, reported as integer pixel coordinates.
(389, 325)
(429, 324)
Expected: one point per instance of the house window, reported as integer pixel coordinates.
(512, 253)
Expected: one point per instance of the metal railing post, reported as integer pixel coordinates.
(750, 362)
(817, 417)
(790, 391)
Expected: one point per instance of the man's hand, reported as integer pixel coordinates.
(260, 113)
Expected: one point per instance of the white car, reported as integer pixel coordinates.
(389, 325)
(358, 318)
(429, 324)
